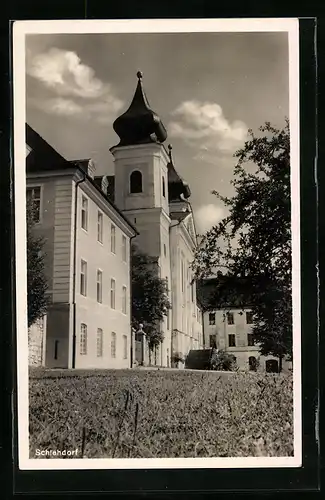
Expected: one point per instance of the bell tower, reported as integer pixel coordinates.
(140, 159)
(141, 171)
(141, 187)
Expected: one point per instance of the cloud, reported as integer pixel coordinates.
(73, 86)
(206, 216)
(204, 126)
(63, 72)
(57, 106)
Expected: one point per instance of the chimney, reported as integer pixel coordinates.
(91, 168)
(104, 184)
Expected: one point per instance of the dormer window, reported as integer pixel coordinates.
(136, 182)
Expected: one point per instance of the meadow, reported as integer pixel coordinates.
(157, 413)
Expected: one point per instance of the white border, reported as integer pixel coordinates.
(22, 28)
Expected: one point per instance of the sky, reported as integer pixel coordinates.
(208, 89)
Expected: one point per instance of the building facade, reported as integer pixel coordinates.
(87, 262)
(230, 329)
(150, 192)
(88, 223)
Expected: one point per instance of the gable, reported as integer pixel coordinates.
(189, 226)
(41, 156)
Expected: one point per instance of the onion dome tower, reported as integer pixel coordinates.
(139, 124)
(178, 189)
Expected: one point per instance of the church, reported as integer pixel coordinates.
(89, 223)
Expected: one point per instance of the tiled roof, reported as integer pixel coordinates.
(223, 292)
(178, 215)
(45, 157)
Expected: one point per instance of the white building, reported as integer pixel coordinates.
(89, 221)
(87, 247)
(229, 328)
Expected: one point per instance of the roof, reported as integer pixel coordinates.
(41, 153)
(81, 163)
(178, 215)
(111, 187)
(176, 185)
(45, 157)
(223, 292)
(139, 124)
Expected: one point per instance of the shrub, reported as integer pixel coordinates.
(223, 361)
(177, 357)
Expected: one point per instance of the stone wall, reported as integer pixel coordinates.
(36, 343)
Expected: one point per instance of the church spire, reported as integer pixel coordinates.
(139, 124)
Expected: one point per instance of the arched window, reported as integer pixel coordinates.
(136, 182)
(272, 366)
(163, 187)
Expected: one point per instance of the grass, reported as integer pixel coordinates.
(155, 414)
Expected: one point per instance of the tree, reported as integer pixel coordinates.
(150, 302)
(36, 280)
(252, 244)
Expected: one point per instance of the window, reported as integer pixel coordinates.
(99, 286)
(99, 342)
(212, 318)
(272, 366)
(192, 291)
(112, 293)
(56, 349)
(250, 340)
(182, 272)
(125, 347)
(83, 278)
(124, 248)
(168, 319)
(83, 339)
(113, 345)
(232, 340)
(84, 213)
(100, 227)
(33, 198)
(213, 341)
(136, 182)
(113, 238)
(252, 363)
(165, 250)
(230, 318)
(163, 187)
(124, 299)
(249, 317)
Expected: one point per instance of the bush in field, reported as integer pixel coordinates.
(146, 414)
(223, 361)
(177, 357)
